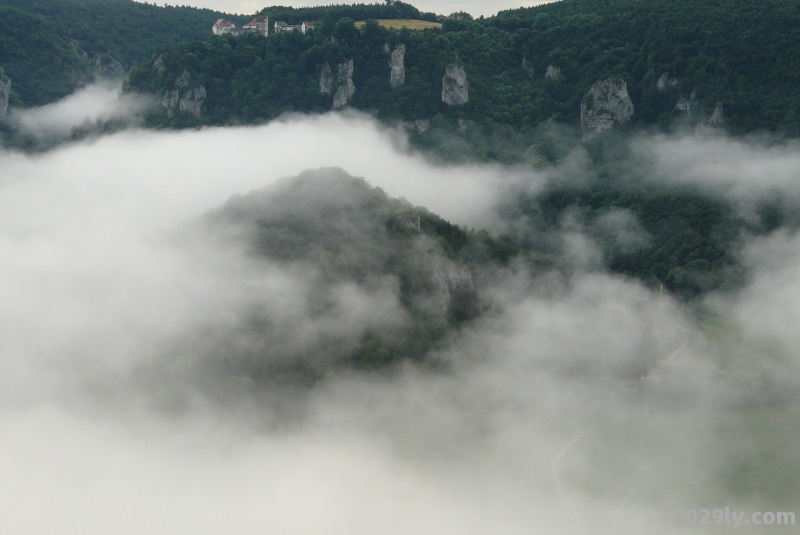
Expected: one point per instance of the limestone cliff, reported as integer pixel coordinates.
(183, 98)
(527, 67)
(715, 120)
(607, 103)
(450, 278)
(108, 66)
(553, 72)
(325, 80)
(103, 64)
(158, 64)
(687, 104)
(455, 86)
(397, 64)
(344, 85)
(5, 93)
(665, 81)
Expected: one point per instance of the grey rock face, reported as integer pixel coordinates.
(409, 220)
(109, 66)
(687, 104)
(81, 54)
(553, 72)
(398, 66)
(5, 92)
(158, 64)
(192, 101)
(344, 85)
(526, 65)
(455, 86)
(104, 64)
(607, 103)
(664, 82)
(717, 116)
(448, 279)
(183, 99)
(420, 125)
(325, 80)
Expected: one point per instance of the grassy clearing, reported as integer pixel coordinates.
(411, 24)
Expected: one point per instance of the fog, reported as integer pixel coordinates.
(581, 402)
(96, 103)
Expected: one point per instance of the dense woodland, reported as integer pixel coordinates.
(41, 40)
(739, 53)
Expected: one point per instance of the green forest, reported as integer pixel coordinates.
(741, 54)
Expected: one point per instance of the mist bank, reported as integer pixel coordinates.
(578, 400)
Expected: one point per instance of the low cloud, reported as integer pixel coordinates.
(97, 103)
(580, 402)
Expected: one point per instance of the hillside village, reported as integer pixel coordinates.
(259, 25)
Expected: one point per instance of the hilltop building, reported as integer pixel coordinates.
(223, 27)
(281, 26)
(259, 24)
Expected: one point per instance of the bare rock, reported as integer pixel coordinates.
(715, 120)
(552, 73)
(408, 221)
(192, 101)
(344, 85)
(526, 65)
(664, 82)
(448, 279)
(183, 98)
(686, 105)
(397, 64)
(607, 103)
(109, 66)
(455, 86)
(325, 80)
(158, 64)
(5, 92)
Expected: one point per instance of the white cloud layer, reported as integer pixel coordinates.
(98, 102)
(101, 304)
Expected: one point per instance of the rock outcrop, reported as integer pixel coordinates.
(344, 85)
(553, 72)
(398, 66)
(5, 92)
(664, 82)
(607, 103)
(109, 66)
(448, 279)
(325, 80)
(103, 64)
(455, 86)
(183, 98)
(408, 221)
(158, 64)
(419, 126)
(527, 67)
(716, 118)
(687, 104)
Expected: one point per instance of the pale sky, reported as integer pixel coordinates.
(445, 7)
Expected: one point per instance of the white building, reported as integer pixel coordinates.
(259, 24)
(222, 27)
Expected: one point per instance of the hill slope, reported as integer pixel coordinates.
(42, 42)
(678, 59)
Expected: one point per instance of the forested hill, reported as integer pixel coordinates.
(740, 54)
(50, 47)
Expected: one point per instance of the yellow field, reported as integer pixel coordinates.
(397, 24)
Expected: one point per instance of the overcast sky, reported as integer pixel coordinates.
(475, 7)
